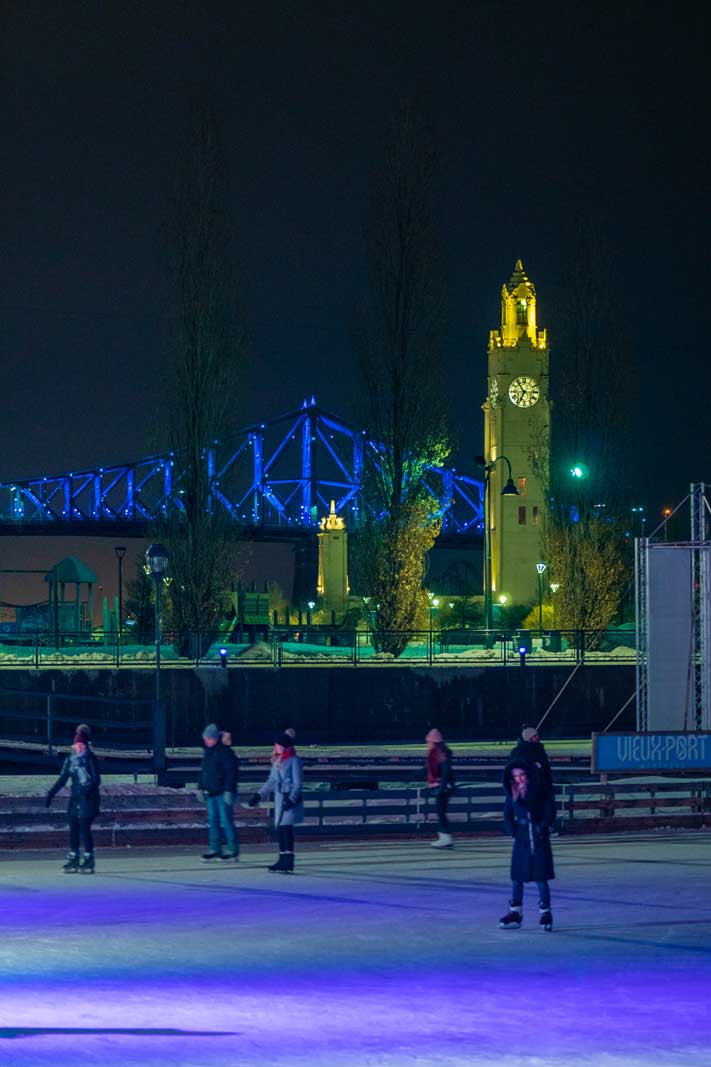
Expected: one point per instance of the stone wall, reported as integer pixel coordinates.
(341, 704)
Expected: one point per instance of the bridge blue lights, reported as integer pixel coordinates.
(276, 477)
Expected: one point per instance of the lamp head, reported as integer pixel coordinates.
(509, 489)
(157, 559)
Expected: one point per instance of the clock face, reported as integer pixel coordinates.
(493, 392)
(524, 392)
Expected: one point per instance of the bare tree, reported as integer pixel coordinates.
(593, 375)
(400, 359)
(207, 351)
(593, 389)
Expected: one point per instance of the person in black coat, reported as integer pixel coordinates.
(528, 815)
(80, 767)
(217, 783)
(230, 795)
(530, 748)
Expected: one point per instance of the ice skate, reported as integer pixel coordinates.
(72, 863)
(208, 856)
(546, 919)
(229, 856)
(280, 864)
(87, 864)
(442, 841)
(511, 920)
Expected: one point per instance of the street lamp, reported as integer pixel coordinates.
(120, 552)
(157, 563)
(508, 490)
(541, 568)
(666, 512)
(554, 587)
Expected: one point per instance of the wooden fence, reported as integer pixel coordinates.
(581, 808)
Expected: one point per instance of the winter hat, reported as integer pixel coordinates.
(211, 733)
(284, 740)
(434, 736)
(529, 732)
(82, 735)
(290, 732)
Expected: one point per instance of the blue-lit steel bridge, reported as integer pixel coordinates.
(275, 478)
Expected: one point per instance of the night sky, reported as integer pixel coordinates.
(542, 114)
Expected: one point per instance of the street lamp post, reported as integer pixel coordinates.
(157, 562)
(434, 604)
(508, 490)
(554, 587)
(120, 552)
(541, 568)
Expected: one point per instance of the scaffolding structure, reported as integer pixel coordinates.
(672, 596)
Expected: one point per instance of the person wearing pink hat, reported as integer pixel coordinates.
(440, 778)
(81, 770)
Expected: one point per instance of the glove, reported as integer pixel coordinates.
(229, 798)
(203, 796)
(287, 804)
(48, 799)
(253, 800)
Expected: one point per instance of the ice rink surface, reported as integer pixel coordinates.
(373, 954)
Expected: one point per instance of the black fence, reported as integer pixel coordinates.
(296, 646)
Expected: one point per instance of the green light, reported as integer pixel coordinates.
(579, 470)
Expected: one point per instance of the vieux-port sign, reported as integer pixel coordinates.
(632, 753)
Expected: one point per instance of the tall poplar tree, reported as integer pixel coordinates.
(207, 347)
(400, 358)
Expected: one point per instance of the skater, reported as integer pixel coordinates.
(528, 815)
(284, 783)
(84, 800)
(440, 778)
(530, 748)
(230, 795)
(216, 782)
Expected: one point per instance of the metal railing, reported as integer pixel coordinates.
(581, 807)
(53, 717)
(308, 645)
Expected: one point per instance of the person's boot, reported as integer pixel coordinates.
(281, 864)
(512, 919)
(87, 864)
(207, 856)
(546, 920)
(289, 864)
(72, 863)
(443, 841)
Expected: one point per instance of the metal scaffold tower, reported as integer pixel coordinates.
(673, 590)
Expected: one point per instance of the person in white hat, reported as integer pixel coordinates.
(440, 778)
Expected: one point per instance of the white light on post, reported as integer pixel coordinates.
(541, 568)
(157, 563)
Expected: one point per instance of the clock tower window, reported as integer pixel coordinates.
(522, 312)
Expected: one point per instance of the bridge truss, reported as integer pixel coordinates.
(277, 477)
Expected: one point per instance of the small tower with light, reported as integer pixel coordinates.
(332, 584)
(517, 425)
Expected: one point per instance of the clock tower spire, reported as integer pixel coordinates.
(517, 426)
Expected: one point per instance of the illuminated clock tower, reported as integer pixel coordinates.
(517, 426)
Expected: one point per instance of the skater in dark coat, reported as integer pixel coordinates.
(440, 779)
(530, 748)
(528, 815)
(81, 769)
(218, 782)
(284, 783)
